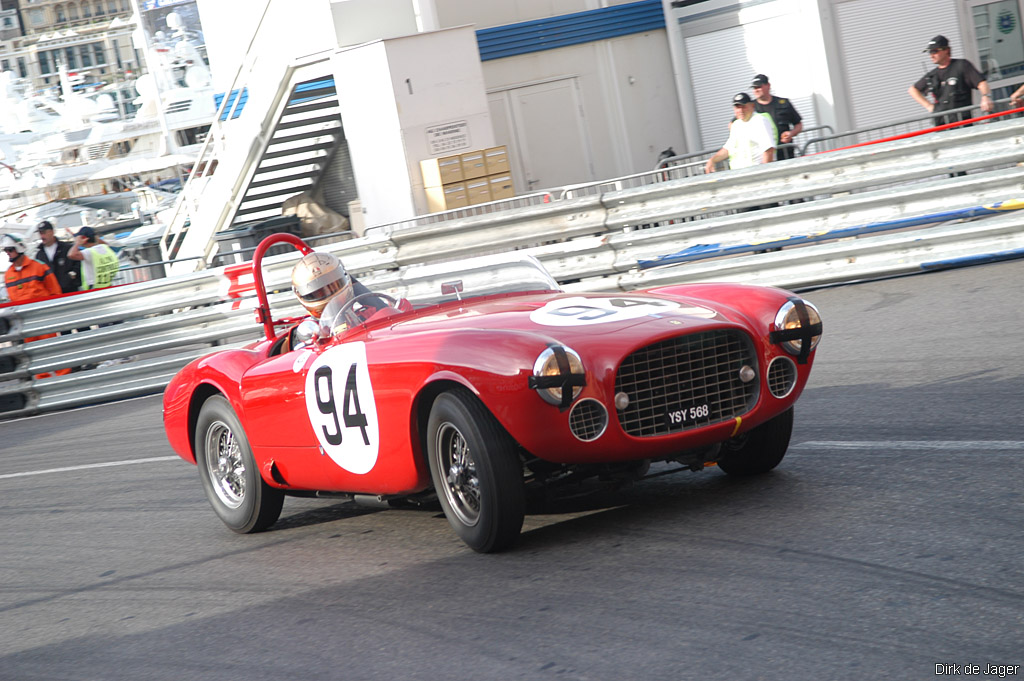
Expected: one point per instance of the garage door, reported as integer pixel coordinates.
(881, 43)
(723, 62)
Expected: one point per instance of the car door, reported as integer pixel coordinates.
(312, 414)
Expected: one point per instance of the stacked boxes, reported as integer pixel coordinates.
(467, 179)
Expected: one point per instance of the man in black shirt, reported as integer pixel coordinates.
(788, 123)
(950, 84)
(54, 253)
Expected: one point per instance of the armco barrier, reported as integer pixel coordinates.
(619, 251)
(593, 241)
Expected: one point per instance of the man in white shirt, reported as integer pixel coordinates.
(751, 137)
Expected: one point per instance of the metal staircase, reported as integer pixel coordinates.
(298, 153)
(251, 162)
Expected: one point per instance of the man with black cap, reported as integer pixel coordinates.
(949, 83)
(788, 123)
(751, 137)
(100, 261)
(54, 253)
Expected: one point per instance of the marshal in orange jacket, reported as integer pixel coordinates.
(33, 281)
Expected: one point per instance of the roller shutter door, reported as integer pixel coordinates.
(881, 43)
(724, 62)
(339, 180)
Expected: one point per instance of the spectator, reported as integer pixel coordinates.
(99, 260)
(751, 137)
(788, 123)
(54, 254)
(950, 84)
(27, 280)
(1017, 98)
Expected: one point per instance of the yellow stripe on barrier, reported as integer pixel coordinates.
(1012, 204)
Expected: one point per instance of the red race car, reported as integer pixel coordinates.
(487, 386)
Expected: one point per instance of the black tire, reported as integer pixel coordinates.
(232, 482)
(760, 450)
(476, 471)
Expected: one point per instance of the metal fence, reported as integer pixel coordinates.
(130, 340)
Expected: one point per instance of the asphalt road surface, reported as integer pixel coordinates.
(889, 542)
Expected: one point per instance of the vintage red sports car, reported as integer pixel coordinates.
(487, 386)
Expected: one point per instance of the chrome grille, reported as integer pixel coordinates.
(686, 382)
(781, 376)
(588, 419)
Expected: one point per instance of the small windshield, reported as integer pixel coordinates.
(474, 277)
(424, 285)
(342, 312)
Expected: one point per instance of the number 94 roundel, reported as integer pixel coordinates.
(341, 408)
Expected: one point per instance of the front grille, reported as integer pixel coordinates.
(781, 376)
(588, 419)
(686, 382)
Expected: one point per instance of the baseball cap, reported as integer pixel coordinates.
(759, 80)
(87, 232)
(741, 98)
(939, 42)
(45, 224)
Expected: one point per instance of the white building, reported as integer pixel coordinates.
(582, 90)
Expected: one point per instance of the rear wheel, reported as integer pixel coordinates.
(227, 468)
(476, 472)
(760, 450)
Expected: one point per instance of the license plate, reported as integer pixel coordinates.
(686, 415)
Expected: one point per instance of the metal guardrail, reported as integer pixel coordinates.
(589, 242)
(887, 130)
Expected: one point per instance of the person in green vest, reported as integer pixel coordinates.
(99, 262)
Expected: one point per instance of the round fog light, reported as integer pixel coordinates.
(747, 374)
(621, 401)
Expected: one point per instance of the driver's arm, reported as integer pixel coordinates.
(358, 289)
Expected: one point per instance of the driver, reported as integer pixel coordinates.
(318, 279)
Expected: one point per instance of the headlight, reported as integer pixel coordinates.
(796, 323)
(558, 375)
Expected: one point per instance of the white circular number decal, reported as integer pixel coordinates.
(582, 311)
(341, 408)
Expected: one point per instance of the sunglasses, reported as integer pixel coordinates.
(936, 50)
(11, 250)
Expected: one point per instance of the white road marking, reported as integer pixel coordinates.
(89, 465)
(904, 445)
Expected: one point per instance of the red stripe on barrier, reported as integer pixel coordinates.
(926, 131)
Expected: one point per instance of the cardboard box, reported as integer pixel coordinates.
(501, 186)
(478, 190)
(441, 171)
(473, 165)
(447, 197)
(496, 160)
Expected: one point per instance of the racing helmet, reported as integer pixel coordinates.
(12, 241)
(319, 278)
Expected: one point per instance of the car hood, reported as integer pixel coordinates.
(587, 314)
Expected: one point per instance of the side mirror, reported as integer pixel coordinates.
(305, 333)
(450, 287)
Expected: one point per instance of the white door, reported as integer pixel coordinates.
(544, 127)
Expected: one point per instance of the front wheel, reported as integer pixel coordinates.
(227, 468)
(760, 450)
(476, 472)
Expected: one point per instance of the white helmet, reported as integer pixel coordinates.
(319, 278)
(12, 241)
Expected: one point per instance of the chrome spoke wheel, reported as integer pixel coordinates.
(225, 464)
(462, 484)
